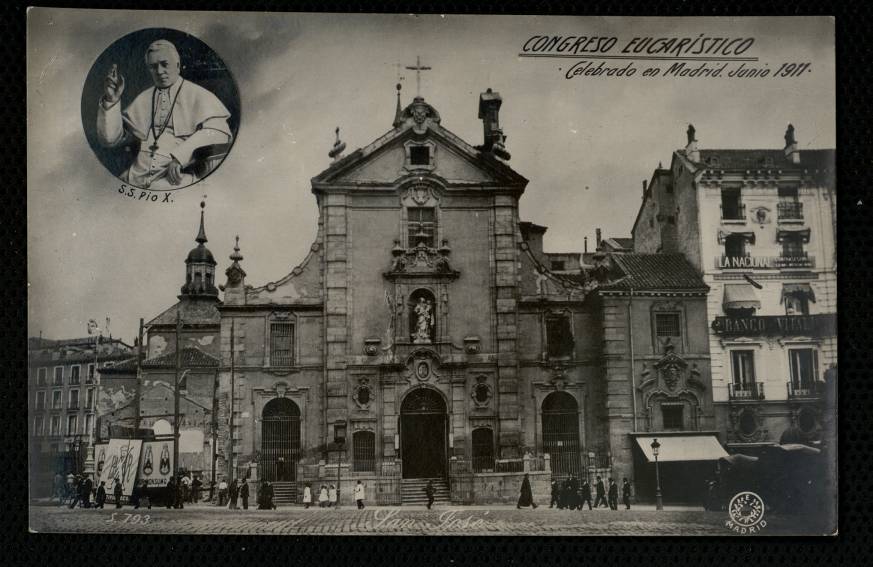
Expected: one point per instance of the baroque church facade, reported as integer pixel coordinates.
(429, 333)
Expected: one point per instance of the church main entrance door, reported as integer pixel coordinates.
(423, 434)
(561, 434)
(280, 441)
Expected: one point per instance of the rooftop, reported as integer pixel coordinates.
(655, 272)
(191, 358)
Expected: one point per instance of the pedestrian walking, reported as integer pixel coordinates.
(134, 495)
(613, 495)
(601, 493)
(196, 489)
(234, 494)
(75, 491)
(307, 496)
(625, 493)
(117, 492)
(244, 494)
(266, 497)
(556, 491)
(331, 496)
(87, 488)
(170, 493)
(586, 494)
(144, 498)
(186, 487)
(573, 503)
(525, 498)
(429, 491)
(101, 495)
(359, 495)
(322, 497)
(564, 496)
(222, 492)
(179, 500)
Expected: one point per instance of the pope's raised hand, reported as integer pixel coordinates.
(113, 86)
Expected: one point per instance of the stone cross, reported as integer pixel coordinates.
(418, 68)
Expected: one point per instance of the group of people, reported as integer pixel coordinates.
(328, 496)
(79, 491)
(573, 495)
(237, 492)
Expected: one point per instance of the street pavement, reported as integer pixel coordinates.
(399, 520)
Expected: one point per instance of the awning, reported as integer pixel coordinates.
(802, 233)
(748, 236)
(740, 296)
(797, 290)
(682, 448)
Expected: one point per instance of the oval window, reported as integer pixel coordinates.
(748, 423)
(806, 420)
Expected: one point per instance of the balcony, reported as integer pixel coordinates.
(733, 213)
(747, 391)
(787, 211)
(783, 262)
(803, 390)
(73, 406)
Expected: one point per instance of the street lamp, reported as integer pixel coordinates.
(659, 504)
(339, 439)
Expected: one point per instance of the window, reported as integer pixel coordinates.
(56, 399)
(559, 336)
(731, 207)
(40, 400)
(72, 424)
(668, 326)
(558, 265)
(281, 344)
(787, 194)
(421, 226)
(89, 398)
(672, 416)
(796, 304)
(735, 245)
(74, 399)
(483, 449)
(90, 379)
(743, 365)
(364, 447)
(38, 426)
(59, 374)
(792, 246)
(804, 368)
(41, 377)
(419, 155)
(55, 425)
(74, 374)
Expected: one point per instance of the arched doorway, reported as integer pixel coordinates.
(280, 440)
(561, 434)
(423, 434)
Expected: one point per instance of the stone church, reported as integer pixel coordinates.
(428, 336)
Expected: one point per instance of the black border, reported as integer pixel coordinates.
(855, 197)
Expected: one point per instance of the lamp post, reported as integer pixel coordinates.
(659, 504)
(339, 439)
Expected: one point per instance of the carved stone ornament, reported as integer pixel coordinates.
(471, 345)
(671, 367)
(761, 215)
(420, 194)
(481, 392)
(421, 369)
(747, 425)
(371, 346)
(363, 394)
(559, 378)
(421, 260)
(281, 389)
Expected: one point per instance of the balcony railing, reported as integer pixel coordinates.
(789, 210)
(747, 391)
(73, 406)
(802, 390)
(733, 213)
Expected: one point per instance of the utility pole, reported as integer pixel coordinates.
(232, 395)
(138, 405)
(176, 393)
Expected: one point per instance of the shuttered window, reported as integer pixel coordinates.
(281, 344)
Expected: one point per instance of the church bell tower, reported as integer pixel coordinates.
(200, 267)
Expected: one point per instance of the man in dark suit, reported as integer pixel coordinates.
(613, 495)
(625, 493)
(586, 494)
(601, 493)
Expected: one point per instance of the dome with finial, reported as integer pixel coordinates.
(200, 265)
(201, 253)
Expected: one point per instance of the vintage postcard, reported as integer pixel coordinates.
(388, 274)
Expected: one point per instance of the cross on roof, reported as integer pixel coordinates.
(418, 68)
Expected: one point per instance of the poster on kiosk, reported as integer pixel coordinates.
(120, 463)
(156, 463)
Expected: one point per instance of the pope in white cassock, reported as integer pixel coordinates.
(171, 120)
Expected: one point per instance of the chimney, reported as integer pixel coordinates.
(791, 151)
(585, 249)
(489, 113)
(691, 151)
(597, 238)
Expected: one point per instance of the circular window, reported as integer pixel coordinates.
(806, 420)
(748, 423)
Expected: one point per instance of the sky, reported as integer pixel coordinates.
(585, 144)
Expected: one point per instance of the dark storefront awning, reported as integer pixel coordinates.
(797, 290)
(741, 296)
(683, 448)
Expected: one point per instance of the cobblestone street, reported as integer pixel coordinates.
(406, 520)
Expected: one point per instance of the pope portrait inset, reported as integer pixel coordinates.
(174, 121)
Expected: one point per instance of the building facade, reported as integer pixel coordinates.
(62, 386)
(760, 226)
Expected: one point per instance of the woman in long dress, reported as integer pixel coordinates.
(525, 499)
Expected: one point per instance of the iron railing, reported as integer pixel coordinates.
(746, 391)
(802, 390)
(736, 212)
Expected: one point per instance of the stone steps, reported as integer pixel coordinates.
(412, 490)
(284, 493)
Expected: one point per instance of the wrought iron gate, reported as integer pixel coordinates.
(280, 441)
(561, 434)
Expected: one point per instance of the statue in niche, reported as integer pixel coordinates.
(424, 321)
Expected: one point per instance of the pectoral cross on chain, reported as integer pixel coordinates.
(418, 68)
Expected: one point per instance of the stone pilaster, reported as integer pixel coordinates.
(336, 269)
